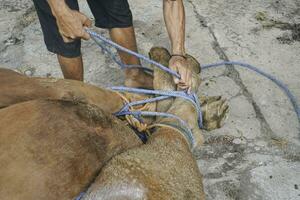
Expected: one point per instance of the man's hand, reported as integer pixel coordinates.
(70, 23)
(175, 22)
(180, 65)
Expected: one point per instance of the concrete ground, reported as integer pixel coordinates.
(256, 154)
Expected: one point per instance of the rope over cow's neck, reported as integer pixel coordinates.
(104, 42)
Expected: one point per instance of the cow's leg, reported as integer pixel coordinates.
(54, 149)
(163, 168)
(162, 80)
(16, 88)
(214, 109)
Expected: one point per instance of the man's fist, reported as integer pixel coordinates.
(71, 25)
(179, 64)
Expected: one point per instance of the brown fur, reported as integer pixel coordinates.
(16, 88)
(214, 109)
(54, 149)
(164, 168)
(165, 81)
(57, 147)
(162, 80)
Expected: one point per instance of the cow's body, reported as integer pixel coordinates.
(52, 149)
(58, 137)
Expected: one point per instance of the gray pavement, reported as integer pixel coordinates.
(256, 155)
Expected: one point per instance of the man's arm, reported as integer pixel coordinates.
(70, 22)
(175, 22)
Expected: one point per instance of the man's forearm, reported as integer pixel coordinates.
(175, 22)
(58, 7)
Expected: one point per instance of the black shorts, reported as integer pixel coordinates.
(108, 14)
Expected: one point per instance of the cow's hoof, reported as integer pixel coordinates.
(214, 111)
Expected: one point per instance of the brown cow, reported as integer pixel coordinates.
(58, 137)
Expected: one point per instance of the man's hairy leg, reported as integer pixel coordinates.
(72, 68)
(133, 77)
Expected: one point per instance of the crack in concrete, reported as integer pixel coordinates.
(233, 74)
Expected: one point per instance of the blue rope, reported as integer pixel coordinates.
(79, 197)
(193, 98)
(115, 58)
(168, 94)
(280, 84)
(104, 42)
(163, 95)
(95, 36)
(149, 100)
(137, 114)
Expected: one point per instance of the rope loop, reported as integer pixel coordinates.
(104, 42)
(162, 96)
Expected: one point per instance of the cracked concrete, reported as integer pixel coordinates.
(256, 154)
(232, 73)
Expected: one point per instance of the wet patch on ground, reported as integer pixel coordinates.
(292, 33)
(17, 37)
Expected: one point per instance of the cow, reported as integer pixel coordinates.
(59, 138)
